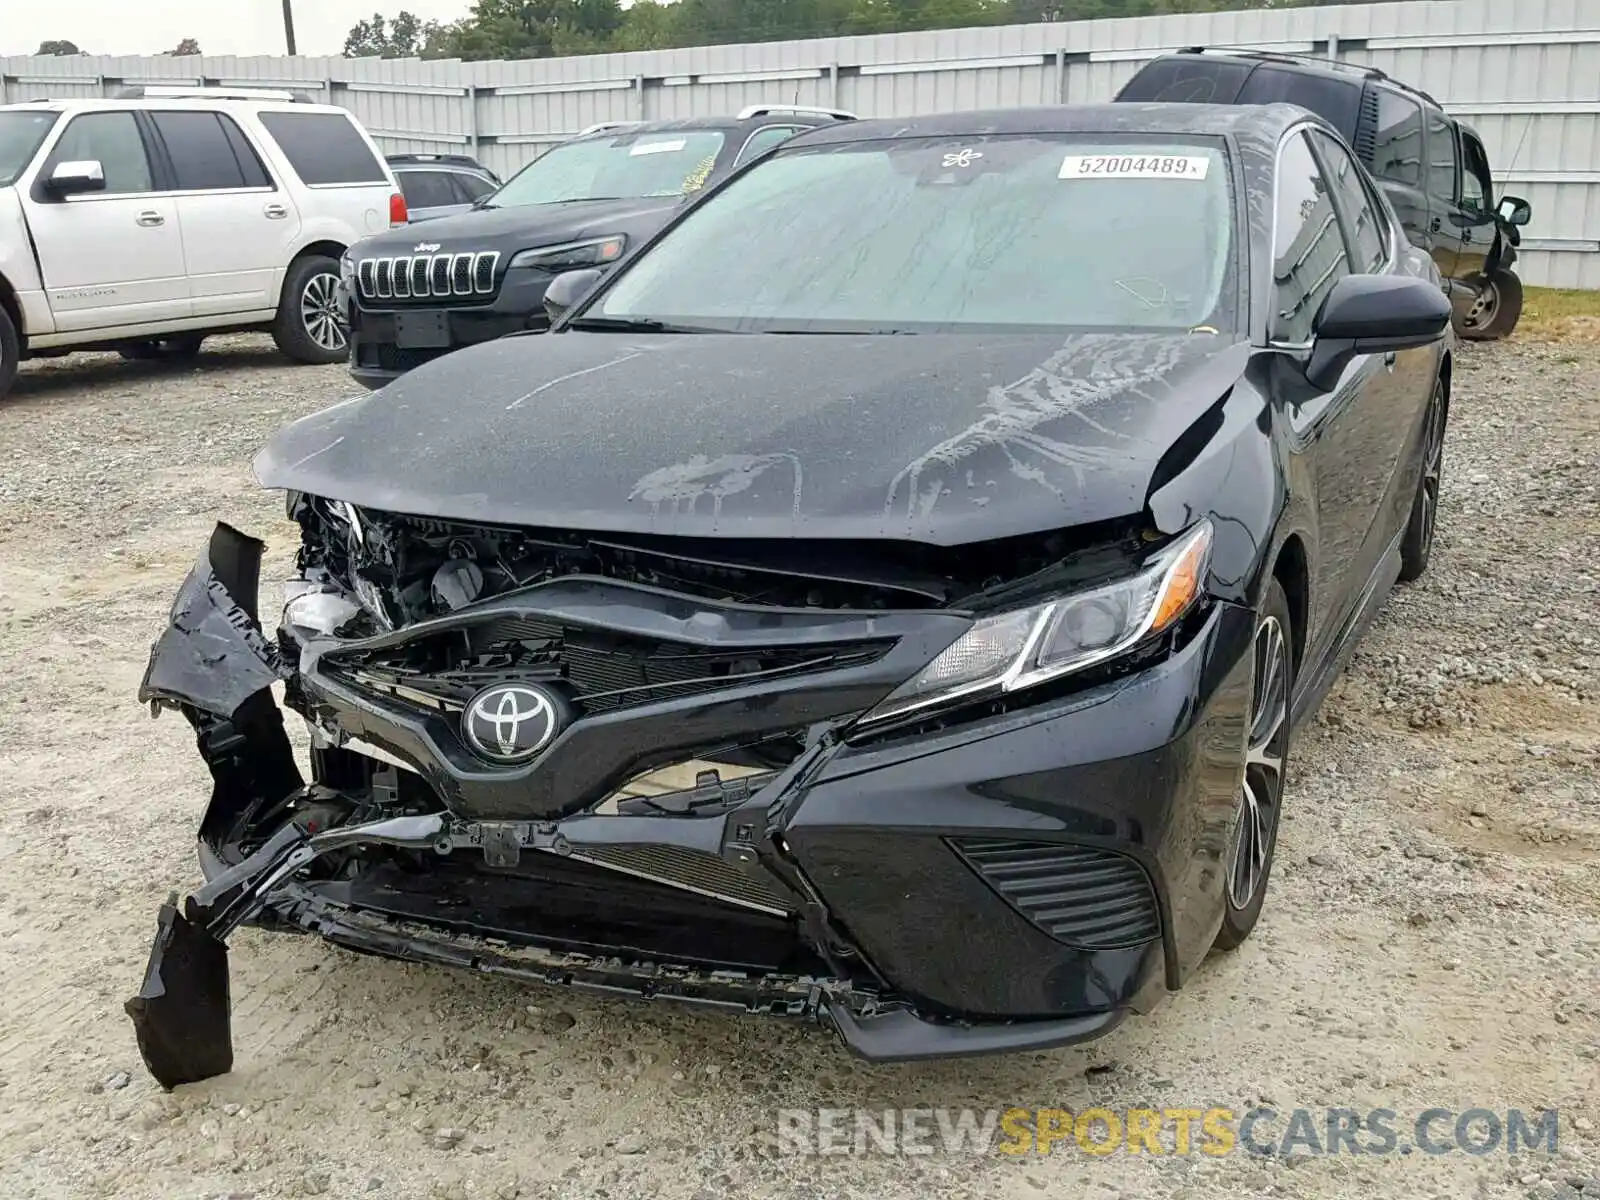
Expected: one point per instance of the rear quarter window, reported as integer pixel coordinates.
(323, 148)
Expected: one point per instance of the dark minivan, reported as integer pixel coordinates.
(1432, 166)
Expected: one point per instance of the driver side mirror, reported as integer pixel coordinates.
(75, 178)
(1514, 210)
(567, 288)
(1374, 314)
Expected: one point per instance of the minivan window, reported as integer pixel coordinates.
(1037, 231)
(20, 135)
(323, 147)
(1335, 100)
(1441, 156)
(625, 167)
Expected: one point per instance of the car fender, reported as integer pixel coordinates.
(1228, 466)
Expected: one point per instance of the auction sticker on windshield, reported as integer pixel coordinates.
(1135, 166)
(657, 147)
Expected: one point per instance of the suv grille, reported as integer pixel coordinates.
(1079, 895)
(428, 276)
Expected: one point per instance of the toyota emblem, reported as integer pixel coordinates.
(511, 723)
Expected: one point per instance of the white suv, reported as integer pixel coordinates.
(144, 223)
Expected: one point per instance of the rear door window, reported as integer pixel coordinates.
(1190, 80)
(208, 152)
(323, 148)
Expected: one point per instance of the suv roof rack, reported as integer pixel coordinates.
(173, 91)
(1312, 60)
(601, 126)
(767, 110)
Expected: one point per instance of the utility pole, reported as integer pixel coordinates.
(288, 25)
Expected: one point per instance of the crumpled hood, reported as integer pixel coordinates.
(944, 439)
(525, 226)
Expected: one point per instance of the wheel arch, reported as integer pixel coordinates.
(324, 246)
(13, 309)
(1291, 568)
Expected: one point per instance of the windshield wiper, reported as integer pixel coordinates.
(633, 325)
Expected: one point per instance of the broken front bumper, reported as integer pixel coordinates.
(1012, 882)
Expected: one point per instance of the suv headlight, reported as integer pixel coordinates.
(572, 256)
(1028, 646)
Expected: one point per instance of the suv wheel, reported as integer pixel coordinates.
(1496, 310)
(10, 353)
(310, 327)
(178, 348)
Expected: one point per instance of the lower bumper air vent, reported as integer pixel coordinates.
(1079, 895)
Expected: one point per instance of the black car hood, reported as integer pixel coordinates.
(525, 225)
(945, 439)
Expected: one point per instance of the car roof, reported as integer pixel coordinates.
(1252, 122)
(168, 103)
(1303, 64)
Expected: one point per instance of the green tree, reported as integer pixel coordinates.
(407, 36)
(58, 46)
(186, 47)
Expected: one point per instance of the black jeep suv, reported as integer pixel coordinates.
(1433, 167)
(416, 293)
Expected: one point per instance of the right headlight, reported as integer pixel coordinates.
(1028, 646)
(573, 256)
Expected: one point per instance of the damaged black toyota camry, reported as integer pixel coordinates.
(886, 598)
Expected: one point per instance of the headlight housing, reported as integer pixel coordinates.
(1028, 646)
(573, 256)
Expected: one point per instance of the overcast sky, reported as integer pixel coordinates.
(220, 26)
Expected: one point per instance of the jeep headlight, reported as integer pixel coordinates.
(1028, 646)
(573, 256)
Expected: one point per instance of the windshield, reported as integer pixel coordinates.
(624, 167)
(20, 135)
(937, 234)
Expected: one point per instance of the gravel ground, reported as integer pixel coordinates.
(1432, 938)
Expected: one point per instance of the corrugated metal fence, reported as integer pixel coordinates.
(1526, 75)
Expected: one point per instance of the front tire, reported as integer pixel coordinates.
(10, 353)
(309, 327)
(1248, 860)
(1416, 546)
(1496, 310)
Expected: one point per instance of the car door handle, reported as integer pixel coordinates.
(275, 212)
(150, 219)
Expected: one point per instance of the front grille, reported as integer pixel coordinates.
(463, 276)
(1080, 895)
(603, 671)
(691, 870)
